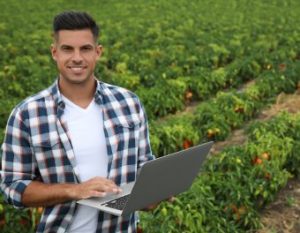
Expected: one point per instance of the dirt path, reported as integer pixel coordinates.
(287, 102)
(282, 215)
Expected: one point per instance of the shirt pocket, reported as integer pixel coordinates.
(47, 147)
(48, 144)
(122, 128)
(124, 160)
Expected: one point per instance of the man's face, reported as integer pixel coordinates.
(76, 54)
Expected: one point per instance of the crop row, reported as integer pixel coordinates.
(164, 96)
(236, 183)
(214, 119)
(167, 61)
(169, 86)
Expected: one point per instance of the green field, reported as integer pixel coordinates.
(174, 53)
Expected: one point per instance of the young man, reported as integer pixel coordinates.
(79, 138)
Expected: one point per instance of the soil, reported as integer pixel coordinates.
(282, 215)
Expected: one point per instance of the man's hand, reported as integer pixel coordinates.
(40, 194)
(95, 187)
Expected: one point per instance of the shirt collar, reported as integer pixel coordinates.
(57, 97)
(99, 93)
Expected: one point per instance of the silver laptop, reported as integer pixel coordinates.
(157, 180)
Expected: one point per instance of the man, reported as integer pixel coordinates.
(79, 138)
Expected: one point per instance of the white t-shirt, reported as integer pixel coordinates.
(85, 127)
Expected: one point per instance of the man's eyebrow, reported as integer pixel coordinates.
(66, 46)
(87, 46)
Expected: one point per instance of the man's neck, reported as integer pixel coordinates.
(80, 94)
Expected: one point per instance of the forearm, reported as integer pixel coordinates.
(40, 194)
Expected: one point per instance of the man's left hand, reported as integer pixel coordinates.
(153, 206)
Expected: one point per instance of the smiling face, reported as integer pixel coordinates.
(76, 54)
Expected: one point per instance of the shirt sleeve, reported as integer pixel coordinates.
(145, 153)
(17, 166)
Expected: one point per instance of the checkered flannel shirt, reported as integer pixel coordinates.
(37, 147)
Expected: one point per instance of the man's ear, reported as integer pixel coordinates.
(53, 51)
(99, 51)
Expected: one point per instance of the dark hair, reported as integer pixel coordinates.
(74, 20)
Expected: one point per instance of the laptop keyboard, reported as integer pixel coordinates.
(118, 203)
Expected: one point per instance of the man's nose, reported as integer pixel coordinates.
(77, 57)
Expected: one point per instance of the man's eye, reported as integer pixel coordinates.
(86, 49)
(67, 49)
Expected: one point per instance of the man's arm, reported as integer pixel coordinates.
(40, 194)
(17, 163)
(18, 178)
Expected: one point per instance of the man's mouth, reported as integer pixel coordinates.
(77, 69)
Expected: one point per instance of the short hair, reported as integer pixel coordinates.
(75, 20)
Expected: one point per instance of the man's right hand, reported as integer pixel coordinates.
(95, 187)
(39, 194)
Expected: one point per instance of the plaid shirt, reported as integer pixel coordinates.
(37, 147)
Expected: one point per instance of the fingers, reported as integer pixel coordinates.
(105, 185)
(153, 206)
(97, 194)
(98, 187)
(171, 199)
(150, 207)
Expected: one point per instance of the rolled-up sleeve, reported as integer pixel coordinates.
(17, 165)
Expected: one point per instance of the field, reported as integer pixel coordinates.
(202, 69)
(282, 215)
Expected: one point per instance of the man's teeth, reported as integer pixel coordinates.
(76, 68)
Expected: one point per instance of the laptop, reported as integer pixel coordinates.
(156, 181)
